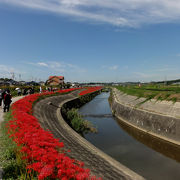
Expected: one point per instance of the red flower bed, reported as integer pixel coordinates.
(90, 90)
(43, 153)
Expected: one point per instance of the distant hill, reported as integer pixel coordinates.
(168, 82)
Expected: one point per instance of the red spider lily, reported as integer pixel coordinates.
(43, 153)
(90, 90)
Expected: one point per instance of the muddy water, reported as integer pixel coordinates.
(150, 157)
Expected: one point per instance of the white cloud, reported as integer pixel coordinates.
(115, 67)
(165, 69)
(131, 13)
(59, 67)
(112, 67)
(42, 64)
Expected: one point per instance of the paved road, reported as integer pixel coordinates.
(100, 164)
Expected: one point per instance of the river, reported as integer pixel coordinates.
(129, 147)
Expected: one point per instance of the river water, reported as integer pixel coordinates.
(128, 146)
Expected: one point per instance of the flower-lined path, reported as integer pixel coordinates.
(1, 107)
(47, 111)
(1, 119)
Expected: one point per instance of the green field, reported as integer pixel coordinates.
(158, 92)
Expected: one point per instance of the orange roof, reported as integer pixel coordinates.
(60, 77)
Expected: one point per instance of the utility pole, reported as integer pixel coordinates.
(165, 81)
(19, 77)
(12, 75)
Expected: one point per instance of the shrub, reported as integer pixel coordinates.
(78, 123)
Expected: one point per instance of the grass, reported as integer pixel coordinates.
(10, 160)
(78, 123)
(160, 93)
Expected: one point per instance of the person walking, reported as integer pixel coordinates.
(32, 90)
(3, 93)
(1, 96)
(7, 100)
(19, 91)
(40, 89)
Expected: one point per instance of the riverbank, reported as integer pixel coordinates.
(158, 118)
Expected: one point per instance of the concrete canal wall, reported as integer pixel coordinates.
(158, 118)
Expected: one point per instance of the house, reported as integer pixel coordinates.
(32, 83)
(42, 83)
(55, 80)
(75, 84)
(7, 82)
(22, 82)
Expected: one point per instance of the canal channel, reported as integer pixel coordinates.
(147, 156)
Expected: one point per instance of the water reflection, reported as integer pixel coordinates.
(168, 149)
(97, 115)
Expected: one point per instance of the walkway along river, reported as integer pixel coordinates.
(113, 139)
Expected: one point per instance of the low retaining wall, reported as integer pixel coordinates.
(159, 125)
(100, 163)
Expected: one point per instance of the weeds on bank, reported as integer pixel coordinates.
(174, 99)
(78, 123)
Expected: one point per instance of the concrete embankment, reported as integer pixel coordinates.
(158, 118)
(100, 164)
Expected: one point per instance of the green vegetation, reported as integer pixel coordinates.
(158, 92)
(110, 97)
(70, 114)
(78, 123)
(10, 160)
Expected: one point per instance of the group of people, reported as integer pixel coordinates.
(6, 99)
(25, 91)
(28, 91)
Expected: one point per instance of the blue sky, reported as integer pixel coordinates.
(90, 41)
